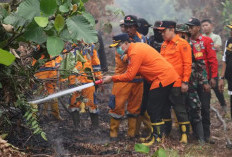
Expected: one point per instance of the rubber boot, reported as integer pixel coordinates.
(184, 129)
(94, 120)
(114, 126)
(174, 119)
(131, 126)
(147, 123)
(76, 119)
(167, 127)
(138, 125)
(55, 110)
(157, 134)
(198, 130)
(148, 128)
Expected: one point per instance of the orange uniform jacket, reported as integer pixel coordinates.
(178, 53)
(146, 61)
(92, 62)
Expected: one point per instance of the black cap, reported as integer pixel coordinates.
(130, 20)
(143, 26)
(193, 22)
(166, 24)
(119, 38)
(157, 24)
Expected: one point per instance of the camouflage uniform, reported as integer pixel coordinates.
(197, 79)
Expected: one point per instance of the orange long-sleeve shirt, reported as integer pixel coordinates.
(146, 61)
(178, 53)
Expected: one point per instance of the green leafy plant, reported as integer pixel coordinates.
(142, 148)
(41, 22)
(227, 12)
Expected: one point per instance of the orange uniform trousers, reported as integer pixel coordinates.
(126, 92)
(87, 93)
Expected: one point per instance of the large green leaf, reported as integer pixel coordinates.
(160, 153)
(14, 20)
(29, 9)
(48, 7)
(3, 13)
(41, 21)
(141, 148)
(65, 35)
(90, 18)
(64, 8)
(80, 29)
(59, 23)
(54, 45)
(6, 57)
(35, 33)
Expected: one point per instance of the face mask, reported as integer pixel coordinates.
(120, 51)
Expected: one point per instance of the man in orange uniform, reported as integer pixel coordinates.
(49, 73)
(93, 63)
(147, 62)
(177, 51)
(123, 92)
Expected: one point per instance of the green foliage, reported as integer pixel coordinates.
(32, 121)
(90, 18)
(6, 57)
(80, 29)
(3, 13)
(54, 45)
(37, 20)
(227, 12)
(142, 148)
(68, 65)
(35, 33)
(59, 23)
(160, 153)
(41, 21)
(48, 7)
(28, 9)
(14, 20)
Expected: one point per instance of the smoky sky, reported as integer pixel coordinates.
(153, 10)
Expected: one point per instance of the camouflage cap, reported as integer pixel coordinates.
(182, 28)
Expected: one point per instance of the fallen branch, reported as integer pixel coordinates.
(228, 142)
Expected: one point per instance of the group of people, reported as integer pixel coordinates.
(169, 73)
(174, 69)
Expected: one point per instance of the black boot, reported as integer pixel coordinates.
(206, 129)
(199, 132)
(157, 133)
(167, 126)
(76, 119)
(94, 120)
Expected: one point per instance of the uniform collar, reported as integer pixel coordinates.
(199, 38)
(174, 40)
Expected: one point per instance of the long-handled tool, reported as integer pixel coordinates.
(65, 92)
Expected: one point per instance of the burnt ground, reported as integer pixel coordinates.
(63, 141)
